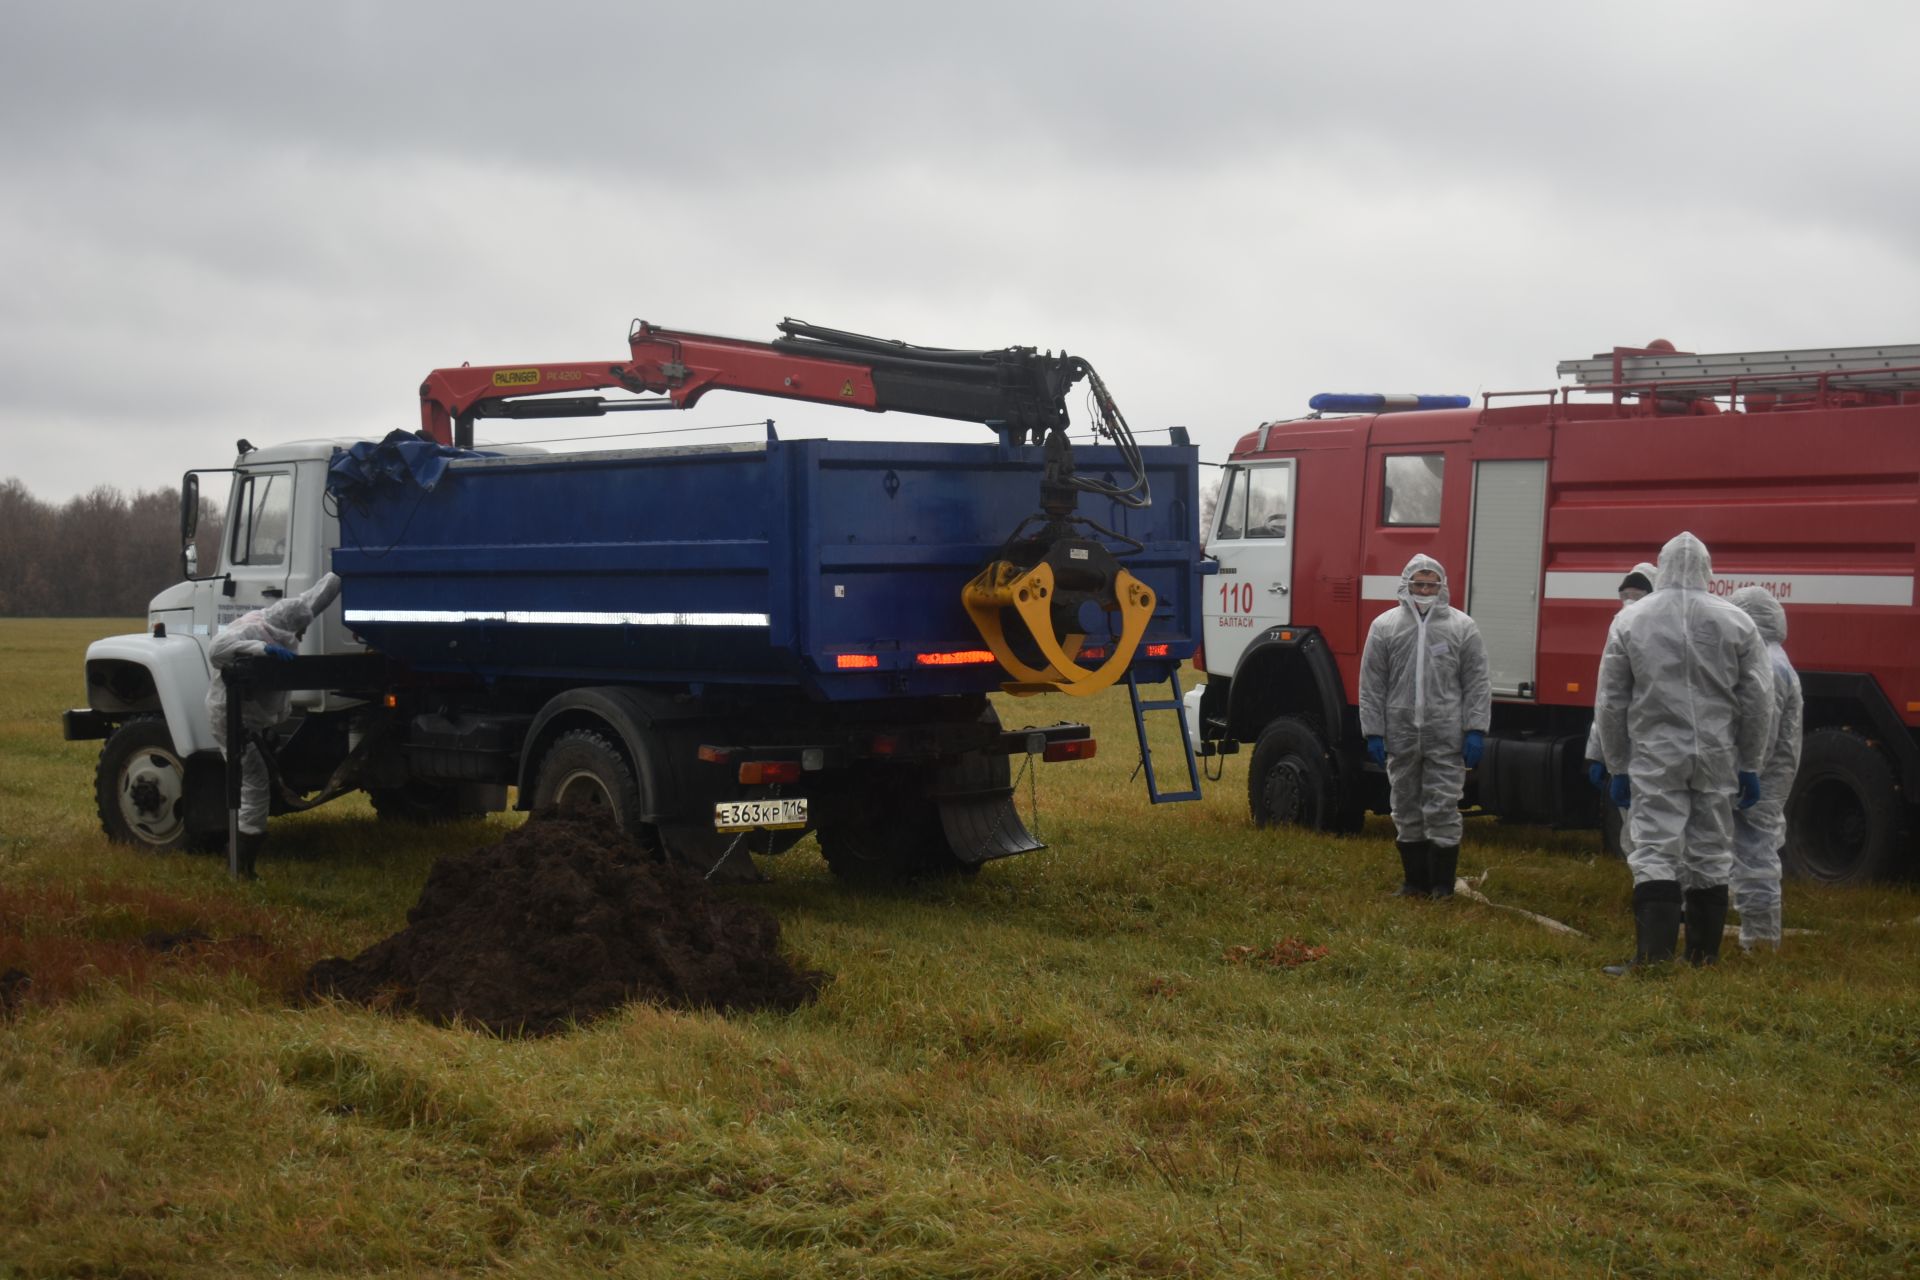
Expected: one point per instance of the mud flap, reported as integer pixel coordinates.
(720, 856)
(980, 828)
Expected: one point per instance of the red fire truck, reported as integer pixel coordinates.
(1799, 469)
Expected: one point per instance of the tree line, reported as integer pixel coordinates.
(102, 554)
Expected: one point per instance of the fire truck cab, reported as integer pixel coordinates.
(1800, 470)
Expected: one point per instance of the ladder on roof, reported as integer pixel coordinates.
(1886, 368)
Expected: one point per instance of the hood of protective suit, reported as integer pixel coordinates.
(1405, 593)
(1645, 570)
(1684, 564)
(1766, 612)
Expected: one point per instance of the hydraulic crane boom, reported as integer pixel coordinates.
(1017, 389)
(1027, 602)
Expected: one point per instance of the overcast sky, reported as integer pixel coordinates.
(271, 220)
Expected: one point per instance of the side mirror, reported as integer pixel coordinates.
(189, 523)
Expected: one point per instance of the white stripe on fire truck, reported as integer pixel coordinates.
(560, 619)
(1893, 589)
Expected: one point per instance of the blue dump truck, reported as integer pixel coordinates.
(720, 647)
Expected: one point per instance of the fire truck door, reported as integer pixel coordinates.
(1509, 510)
(1252, 538)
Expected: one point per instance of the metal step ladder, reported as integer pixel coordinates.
(1886, 368)
(1174, 705)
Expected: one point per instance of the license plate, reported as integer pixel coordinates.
(746, 815)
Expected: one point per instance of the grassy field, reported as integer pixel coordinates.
(1125, 1056)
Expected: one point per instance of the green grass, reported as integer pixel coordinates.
(1082, 1062)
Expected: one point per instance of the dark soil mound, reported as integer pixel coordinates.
(560, 922)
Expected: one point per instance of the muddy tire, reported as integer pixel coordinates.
(140, 789)
(585, 774)
(895, 835)
(1846, 822)
(1292, 781)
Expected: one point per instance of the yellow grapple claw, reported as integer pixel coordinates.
(1029, 593)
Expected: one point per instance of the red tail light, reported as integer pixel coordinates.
(956, 658)
(856, 661)
(756, 772)
(1076, 749)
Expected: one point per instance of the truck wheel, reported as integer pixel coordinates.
(896, 836)
(422, 802)
(140, 788)
(1291, 781)
(585, 775)
(1845, 820)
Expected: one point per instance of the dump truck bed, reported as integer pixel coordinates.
(833, 566)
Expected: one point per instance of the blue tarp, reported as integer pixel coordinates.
(403, 458)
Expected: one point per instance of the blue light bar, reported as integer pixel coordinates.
(1329, 402)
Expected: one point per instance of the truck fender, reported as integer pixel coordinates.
(1276, 676)
(630, 713)
(128, 675)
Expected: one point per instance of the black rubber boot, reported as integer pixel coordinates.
(1656, 924)
(1414, 869)
(1706, 924)
(249, 851)
(1443, 865)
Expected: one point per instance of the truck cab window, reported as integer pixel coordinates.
(262, 515)
(1233, 505)
(1411, 489)
(1254, 503)
(1267, 494)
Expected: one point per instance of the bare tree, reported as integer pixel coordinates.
(102, 554)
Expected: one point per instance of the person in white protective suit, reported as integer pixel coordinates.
(1426, 699)
(1685, 698)
(1637, 585)
(274, 632)
(1759, 832)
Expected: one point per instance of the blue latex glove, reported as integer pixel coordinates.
(1474, 747)
(1620, 792)
(280, 651)
(1749, 789)
(1597, 775)
(1377, 749)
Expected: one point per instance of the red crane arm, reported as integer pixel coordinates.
(681, 366)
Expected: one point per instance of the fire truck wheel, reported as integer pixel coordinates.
(585, 775)
(1291, 780)
(1845, 819)
(140, 788)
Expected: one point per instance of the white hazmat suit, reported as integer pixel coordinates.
(1594, 749)
(1759, 832)
(279, 625)
(1685, 699)
(1424, 686)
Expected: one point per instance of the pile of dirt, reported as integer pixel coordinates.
(560, 922)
